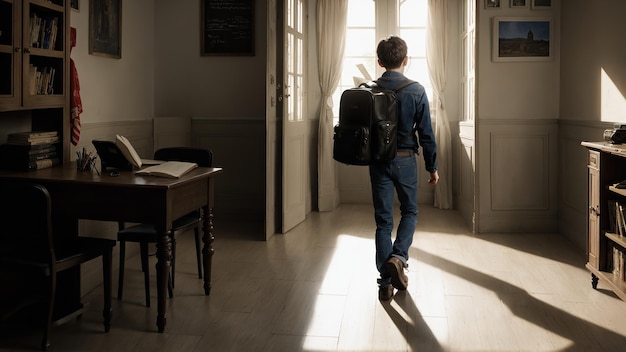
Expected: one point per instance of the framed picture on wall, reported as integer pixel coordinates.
(105, 28)
(522, 39)
(227, 27)
(75, 5)
(541, 4)
(519, 4)
(492, 4)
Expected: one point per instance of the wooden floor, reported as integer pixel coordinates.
(314, 289)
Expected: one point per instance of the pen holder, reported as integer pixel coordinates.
(86, 162)
(83, 166)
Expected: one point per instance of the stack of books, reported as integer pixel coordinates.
(31, 150)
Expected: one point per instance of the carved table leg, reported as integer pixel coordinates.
(207, 249)
(163, 254)
(107, 277)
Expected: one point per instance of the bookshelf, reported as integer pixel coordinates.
(34, 66)
(606, 243)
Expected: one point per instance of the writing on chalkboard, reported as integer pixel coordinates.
(228, 27)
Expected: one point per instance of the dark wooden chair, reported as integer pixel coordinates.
(146, 233)
(30, 249)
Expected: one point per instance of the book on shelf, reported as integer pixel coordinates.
(8, 155)
(612, 204)
(32, 134)
(620, 217)
(27, 150)
(43, 31)
(620, 270)
(34, 141)
(27, 165)
(171, 169)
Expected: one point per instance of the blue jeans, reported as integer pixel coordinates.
(401, 175)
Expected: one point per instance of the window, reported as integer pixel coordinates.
(368, 22)
(468, 59)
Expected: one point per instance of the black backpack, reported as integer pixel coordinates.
(368, 122)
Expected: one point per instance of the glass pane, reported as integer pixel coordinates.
(350, 69)
(290, 98)
(416, 41)
(361, 13)
(417, 69)
(413, 13)
(300, 101)
(300, 17)
(360, 42)
(6, 23)
(299, 57)
(290, 13)
(6, 73)
(290, 48)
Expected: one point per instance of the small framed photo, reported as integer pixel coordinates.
(75, 5)
(492, 4)
(541, 4)
(519, 4)
(522, 39)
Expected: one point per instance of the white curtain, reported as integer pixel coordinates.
(331, 33)
(437, 58)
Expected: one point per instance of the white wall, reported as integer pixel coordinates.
(112, 89)
(517, 90)
(593, 73)
(593, 91)
(516, 131)
(188, 84)
(224, 96)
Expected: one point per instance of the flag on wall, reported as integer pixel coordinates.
(76, 105)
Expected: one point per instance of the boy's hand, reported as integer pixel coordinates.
(434, 178)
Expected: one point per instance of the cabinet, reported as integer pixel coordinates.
(606, 246)
(34, 64)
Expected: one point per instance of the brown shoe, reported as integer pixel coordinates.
(385, 292)
(395, 267)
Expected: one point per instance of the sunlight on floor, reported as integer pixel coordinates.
(454, 291)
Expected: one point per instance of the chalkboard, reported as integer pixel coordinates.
(227, 27)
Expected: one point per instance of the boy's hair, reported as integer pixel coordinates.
(391, 52)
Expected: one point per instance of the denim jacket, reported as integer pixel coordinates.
(413, 111)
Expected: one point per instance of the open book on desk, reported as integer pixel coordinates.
(128, 151)
(172, 169)
(120, 155)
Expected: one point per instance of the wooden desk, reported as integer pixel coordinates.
(141, 199)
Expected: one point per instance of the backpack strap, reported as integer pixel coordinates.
(402, 85)
(406, 83)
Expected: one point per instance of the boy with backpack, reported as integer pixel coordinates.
(400, 174)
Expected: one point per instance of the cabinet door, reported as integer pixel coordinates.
(593, 233)
(43, 37)
(10, 54)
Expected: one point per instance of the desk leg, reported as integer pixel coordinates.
(207, 249)
(163, 254)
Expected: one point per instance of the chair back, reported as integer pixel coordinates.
(26, 221)
(201, 156)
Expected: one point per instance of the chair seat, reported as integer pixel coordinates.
(83, 247)
(147, 233)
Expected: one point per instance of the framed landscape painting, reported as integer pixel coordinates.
(522, 39)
